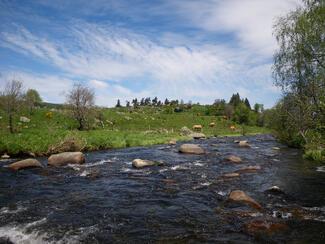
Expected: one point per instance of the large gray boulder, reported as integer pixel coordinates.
(26, 163)
(191, 149)
(65, 158)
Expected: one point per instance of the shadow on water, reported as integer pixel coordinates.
(183, 201)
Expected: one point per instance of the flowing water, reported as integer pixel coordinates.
(183, 201)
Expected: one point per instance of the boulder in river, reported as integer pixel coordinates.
(65, 158)
(234, 159)
(243, 144)
(5, 156)
(249, 169)
(26, 163)
(140, 163)
(240, 196)
(197, 135)
(191, 149)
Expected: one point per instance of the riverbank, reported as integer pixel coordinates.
(52, 130)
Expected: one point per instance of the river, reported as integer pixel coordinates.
(184, 201)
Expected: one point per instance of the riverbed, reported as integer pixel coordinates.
(184, 200)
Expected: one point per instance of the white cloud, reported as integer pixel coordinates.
(251, 21)
(98, 84)
(51, 88)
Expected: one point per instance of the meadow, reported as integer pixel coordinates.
(52, 130)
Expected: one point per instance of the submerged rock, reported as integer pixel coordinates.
(65, 158)
(240, 196)
(257, 226)
(275, 190)
(234, 159)
(243, 144)
(140, 163)
(249, 169)
(191, 149)
(27, 163)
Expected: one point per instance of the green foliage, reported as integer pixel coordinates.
(242, 113)
(299, 69)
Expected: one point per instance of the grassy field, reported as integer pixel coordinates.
(121, 127)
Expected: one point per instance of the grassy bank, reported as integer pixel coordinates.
(119, 128)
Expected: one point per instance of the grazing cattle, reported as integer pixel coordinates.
(197, 127)
(212, 124)
(232, 127)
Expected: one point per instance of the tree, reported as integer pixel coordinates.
(229, 111)
(135, 103)
(299, 69)
(118, 104)
(32, 99)
(235, 100)
(258, 108)
(128, 104)
(155, 101)
(11, 100)
(241, 114)
(81, 101)
(247, 103)
(166, 102)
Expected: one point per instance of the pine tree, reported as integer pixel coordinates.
(247, 103)
(118, 104)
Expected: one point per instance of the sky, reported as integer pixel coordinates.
(195, 50)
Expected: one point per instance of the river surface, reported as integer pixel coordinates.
(183, 201)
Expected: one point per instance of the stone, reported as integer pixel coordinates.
(5, 156)
(249, 169)
(243, 144)
(242, 197)
(275, 190)
(184, 131)
(275, 148)
(24, 119)
(191, 149)
(65, 158)
(26, 163)
(234, 159)
(231, 175)
(197, 135)
(140, 163)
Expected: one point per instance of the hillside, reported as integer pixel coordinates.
(53, 130)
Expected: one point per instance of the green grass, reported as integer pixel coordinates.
(140, 127)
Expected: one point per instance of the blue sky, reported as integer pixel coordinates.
(179, 49)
